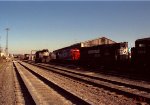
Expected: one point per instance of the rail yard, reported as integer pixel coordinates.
(74, 52)
(82, 74)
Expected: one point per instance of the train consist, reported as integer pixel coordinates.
(99, 52)
(107, 53)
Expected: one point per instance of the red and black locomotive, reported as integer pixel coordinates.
(69, 54)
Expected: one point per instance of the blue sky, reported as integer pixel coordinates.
(45, 24)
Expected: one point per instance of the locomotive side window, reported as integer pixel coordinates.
(141, 52)
(93, 51)
(141, 45)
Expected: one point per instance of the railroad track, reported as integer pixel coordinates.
(21, 91)
(133, 84)
(103, 78)
(101, 70)
(140, 93)
(43, 91)
(129, 74)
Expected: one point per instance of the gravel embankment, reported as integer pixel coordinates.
(7, 94)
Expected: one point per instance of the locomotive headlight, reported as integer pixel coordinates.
(46, 54)
(124, 51)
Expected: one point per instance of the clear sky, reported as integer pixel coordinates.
(45, 24)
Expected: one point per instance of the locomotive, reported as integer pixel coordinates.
(26, 56)
(105, 55)
(141, 53)
(69, 54)
(42, 56)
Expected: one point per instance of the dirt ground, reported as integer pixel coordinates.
(7, 96)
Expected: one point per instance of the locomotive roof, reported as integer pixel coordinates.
(44, 50)
(110, 45)
(77, 45)
(143, 39)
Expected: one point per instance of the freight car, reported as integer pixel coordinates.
(104, 55)
(42, 56)
(140, 54)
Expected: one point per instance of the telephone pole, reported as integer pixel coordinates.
(0, 47)
(7, 29)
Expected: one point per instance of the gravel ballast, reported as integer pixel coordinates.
(7, 94)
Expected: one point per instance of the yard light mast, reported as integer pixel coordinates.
(7, 29)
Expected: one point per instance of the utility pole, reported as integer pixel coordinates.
(0, 44)
(7, 29)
